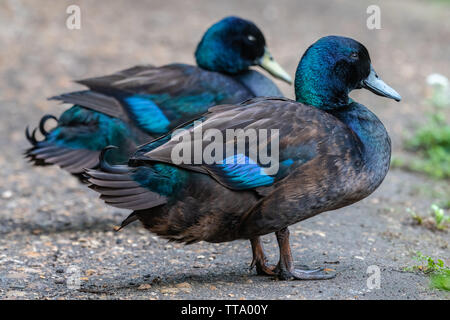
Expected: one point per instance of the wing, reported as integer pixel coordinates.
(288, 134)
(156, 99)
(95, 101)
(106, 102)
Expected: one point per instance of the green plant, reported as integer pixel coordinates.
(414, 215)
(436, 269)
(440, 218)
(441, 280)
(431, 142)
(431, 264)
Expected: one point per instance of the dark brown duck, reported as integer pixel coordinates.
(333, 152)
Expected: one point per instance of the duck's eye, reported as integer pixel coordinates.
(251, 38)
(354, 55)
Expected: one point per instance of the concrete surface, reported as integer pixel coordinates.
(51, 226)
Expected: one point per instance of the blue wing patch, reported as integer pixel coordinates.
(240, 172)
(147, 114)
(287, 162)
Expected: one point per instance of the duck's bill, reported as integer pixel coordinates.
(268, 63)
(379, 87)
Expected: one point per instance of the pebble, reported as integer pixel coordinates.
(7, 194)
(144, 286)
(183, 285)
(169, 290)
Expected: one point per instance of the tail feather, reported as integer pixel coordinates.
(123, 199)
(114, 184)
(79, 136)
(107, 176)
(117, 187)
(117, 192)
(43, 121)
(131, 218)
(91, 162)
(47, 152)
(31, 137)
(71, 160)
(64, 158)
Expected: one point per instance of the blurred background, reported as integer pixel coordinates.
(44, 212)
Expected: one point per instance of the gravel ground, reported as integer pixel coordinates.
(53, 229)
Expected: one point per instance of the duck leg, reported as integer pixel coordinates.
(259, 258)
(285, 268)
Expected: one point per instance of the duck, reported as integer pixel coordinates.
(331, 152)
(135, 105)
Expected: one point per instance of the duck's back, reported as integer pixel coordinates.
(133, 106)
(178, 90)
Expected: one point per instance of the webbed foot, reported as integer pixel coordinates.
(285, 270)
(306, 274)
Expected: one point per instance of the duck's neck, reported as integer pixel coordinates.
(258, 84)
(375, 141)
(213, 55)
(322, 88)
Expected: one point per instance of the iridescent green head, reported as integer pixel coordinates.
(331, 68)
(233, 45)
